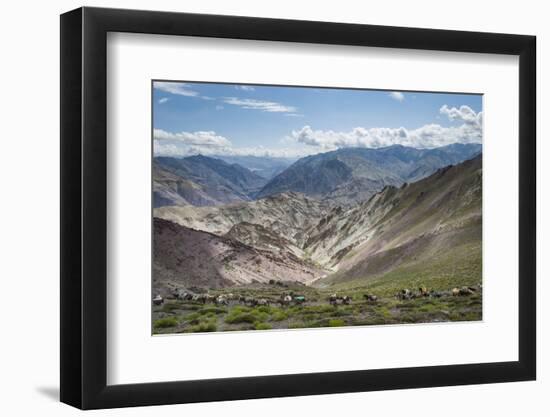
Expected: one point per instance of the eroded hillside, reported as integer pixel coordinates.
(192, 258)
(291, 236)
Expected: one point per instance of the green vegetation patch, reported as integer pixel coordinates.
(213, 310)
(205, 326)
(246, 315)
(262, 326)
(165, 323)
(279, 316)
(170, 307)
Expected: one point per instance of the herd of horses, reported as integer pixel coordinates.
(406, 294)
(230, 298)
(289, 299)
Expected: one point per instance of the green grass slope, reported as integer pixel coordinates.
(430, 235)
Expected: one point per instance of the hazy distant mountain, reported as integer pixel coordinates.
(264, 166)
(170, 189)
(351, 175)
(201, 181)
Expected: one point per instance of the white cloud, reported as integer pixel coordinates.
(307, 141)
(209, 143)
(177, 150)
(180, 89)
(427, 136)
(208, 139)
(462, 114)
(184, 89)
(266, 106)
(163, 100)
(268, 152)
(396, 95)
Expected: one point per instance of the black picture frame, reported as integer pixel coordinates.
(84, 207)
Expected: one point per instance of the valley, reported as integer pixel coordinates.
(348, 223)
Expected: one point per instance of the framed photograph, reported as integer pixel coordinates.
(256, 208)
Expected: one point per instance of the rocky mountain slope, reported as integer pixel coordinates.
(350, 175)
(264, 238)
(170, 189)
(201, 181)
(185, 257)
(288, 215)
(414, 224)
(430, 225)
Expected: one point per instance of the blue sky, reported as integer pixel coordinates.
(229, 119)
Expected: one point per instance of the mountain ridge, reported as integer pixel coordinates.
(349, 175)
(396, 227)
(415, 223)
(202, 181)
(264, 166)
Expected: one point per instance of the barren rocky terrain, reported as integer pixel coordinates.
(384, 238)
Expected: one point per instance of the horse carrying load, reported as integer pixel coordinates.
(299, 299)
(335, 299)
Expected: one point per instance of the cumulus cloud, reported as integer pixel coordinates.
(266, 106)
(427, 136)
(307, 141)
(177, 150)
(396, 95)
(163, 100)
(210, 143)
(244, 87)
(208, 139)
(267, 152)
(180, 89)
(462, 114)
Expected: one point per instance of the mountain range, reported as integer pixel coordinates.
(350, 175)
(264, 166)
(201, 181)
(343, 177)
(411, 227)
